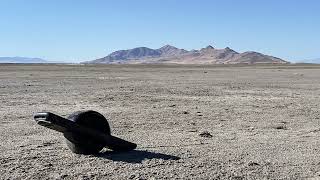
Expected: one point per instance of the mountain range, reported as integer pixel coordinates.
(171, 54)
(312, 61)
(21, 60)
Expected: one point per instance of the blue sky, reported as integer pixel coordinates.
(82, 30)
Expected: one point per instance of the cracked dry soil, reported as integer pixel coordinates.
(263, 121)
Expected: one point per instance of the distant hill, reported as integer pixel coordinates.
(171, 54)
(21, 60)
(313, 61)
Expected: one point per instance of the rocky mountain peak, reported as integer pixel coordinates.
(209, 47)
(227, 49)
(169, 50)
(168, 47)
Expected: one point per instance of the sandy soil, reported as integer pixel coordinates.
(264, 121)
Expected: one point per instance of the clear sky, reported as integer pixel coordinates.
(79, 30)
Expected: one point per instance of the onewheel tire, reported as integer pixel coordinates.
(83, 143)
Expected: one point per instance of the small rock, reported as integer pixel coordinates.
(192, 130)
(49, 165)
(253, 164)
(205, 134)
(173, 105)
(185, 112)
(282, 126)
(63, 176)
(132, 176)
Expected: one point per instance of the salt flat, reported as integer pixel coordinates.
(264, 121)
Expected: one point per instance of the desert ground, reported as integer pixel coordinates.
(264, 121)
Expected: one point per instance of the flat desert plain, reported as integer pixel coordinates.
(259, 122)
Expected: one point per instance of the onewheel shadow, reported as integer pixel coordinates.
(135, 156)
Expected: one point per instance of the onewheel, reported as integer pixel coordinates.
(86, 132)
